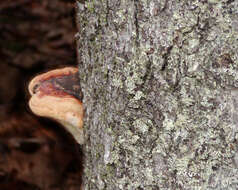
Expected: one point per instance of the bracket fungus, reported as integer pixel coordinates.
(57, 94)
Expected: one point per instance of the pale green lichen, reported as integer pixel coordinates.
(89, 5)
(142, 125)
(139, 95)
(117, 81)
(135, 71)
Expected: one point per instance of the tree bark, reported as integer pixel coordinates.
(160, 86)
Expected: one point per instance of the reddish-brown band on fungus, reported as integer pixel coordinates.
(57, 94)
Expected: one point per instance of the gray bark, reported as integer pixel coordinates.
(160, 84)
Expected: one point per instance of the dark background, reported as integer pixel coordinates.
(35, 153)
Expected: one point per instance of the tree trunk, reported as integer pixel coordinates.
(160, 86)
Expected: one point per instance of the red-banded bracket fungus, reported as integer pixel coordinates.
(57, 95)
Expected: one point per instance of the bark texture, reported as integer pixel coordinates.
(160, 84)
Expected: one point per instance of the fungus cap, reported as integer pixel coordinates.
(57, 95)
